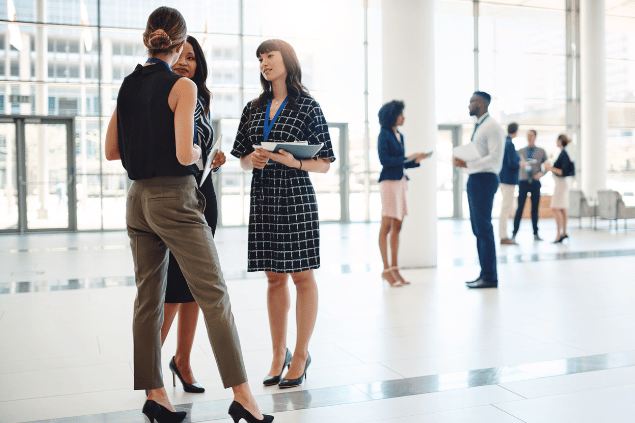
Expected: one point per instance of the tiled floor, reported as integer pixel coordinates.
(555, 342)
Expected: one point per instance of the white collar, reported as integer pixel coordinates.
(482, 118)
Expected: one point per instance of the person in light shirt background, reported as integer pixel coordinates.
(508, 180)
(482, 184)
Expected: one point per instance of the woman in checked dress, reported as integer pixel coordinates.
(283, 220)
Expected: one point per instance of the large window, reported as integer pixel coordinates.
(519, 50)
(57, 61)
(620, 92)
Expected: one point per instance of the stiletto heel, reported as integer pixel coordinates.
(194, 388)
(292, 383)
(237, 412)
(155, 411)
(395, 273)
(274, 380)
(390, 278)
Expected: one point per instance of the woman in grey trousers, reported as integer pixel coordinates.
(152, 132)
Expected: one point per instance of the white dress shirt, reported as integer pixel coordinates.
(489, 140)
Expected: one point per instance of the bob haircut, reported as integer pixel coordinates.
(390, 112)
(295, 89)
(200, 74)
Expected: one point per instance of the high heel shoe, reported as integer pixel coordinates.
(561, 238)
(390, 278)
(195, 388)
(397, 275)
(237, 411)
(292, 383)
(155, 411)
(274, 380)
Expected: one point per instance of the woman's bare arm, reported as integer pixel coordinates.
(112, 139)
(182, 101)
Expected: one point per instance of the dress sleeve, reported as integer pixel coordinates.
(204, 130)
(318, 133)
(242, 145)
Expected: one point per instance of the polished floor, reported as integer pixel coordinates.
(554, 343)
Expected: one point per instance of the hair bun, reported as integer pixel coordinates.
(159, 39)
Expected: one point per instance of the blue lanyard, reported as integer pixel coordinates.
(269, 125)
(476, 127)
(530, 152)
(155, 60)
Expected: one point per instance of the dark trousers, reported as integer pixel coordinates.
(481, 188)
(524, 188)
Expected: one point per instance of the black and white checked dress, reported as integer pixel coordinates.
(284, 234)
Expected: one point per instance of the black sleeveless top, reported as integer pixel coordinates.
(145, 124)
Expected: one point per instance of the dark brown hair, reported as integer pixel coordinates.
(165, 31)
(390, 112)
(295, 89)
(512, 128)
(200, 74)
(564, 140)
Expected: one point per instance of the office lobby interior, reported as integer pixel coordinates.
(554, 343)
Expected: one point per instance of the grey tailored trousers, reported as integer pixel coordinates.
(167, 213)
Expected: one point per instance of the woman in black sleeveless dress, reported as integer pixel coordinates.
(178, 298)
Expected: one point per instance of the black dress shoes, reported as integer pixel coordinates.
(474, 281)
(292, 383)
(156, 412)
(274, 380)
(195, 388)
(480, 283)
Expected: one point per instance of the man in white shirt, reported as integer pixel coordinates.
(489, 139)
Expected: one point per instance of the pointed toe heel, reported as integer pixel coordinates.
(274, 380)
(292, 383)
(194, 388)
(155, 412)
(237, 412)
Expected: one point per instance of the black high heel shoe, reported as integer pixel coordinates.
(195, 388)
(237, 411)
(274, 380)
(292, 383)
(155, 411)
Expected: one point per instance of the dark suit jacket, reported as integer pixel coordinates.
(392, 155)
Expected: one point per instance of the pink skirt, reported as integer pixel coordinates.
(393, 198)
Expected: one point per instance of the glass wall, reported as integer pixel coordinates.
(59, 59)
(620, 91)
(518, 55)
